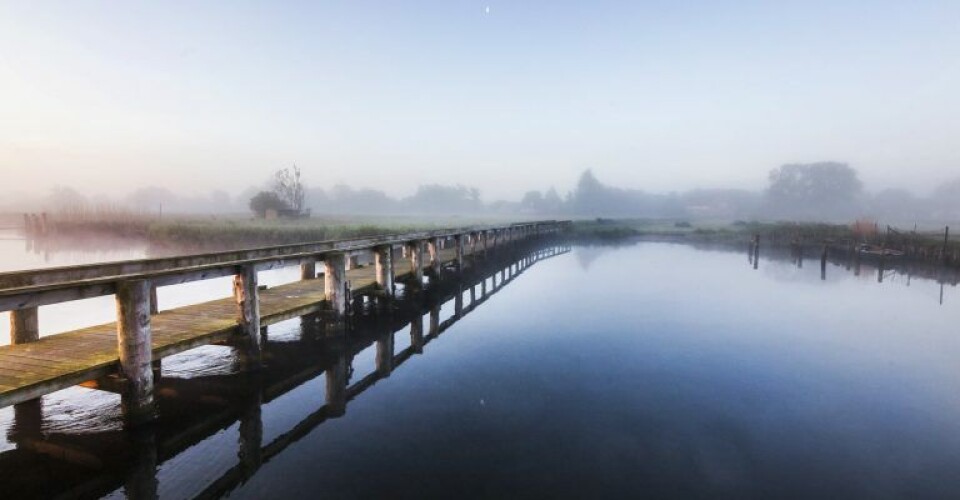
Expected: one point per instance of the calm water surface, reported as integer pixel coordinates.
(655, 369)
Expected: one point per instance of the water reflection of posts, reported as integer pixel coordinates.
(336, 378)
(435, 321)
(385, 352)
(416, 334)
(141, 482)
(27, 420)
(823, 263)
(856, 261)
(756, 251)
(251, 436)
(458, 302)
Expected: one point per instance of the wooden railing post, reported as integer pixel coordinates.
(135, 351)
(247, 296)
(308, 269)
(383, 266)
(334, 281)
(24, 326)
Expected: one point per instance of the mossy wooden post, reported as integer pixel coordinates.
(458, 242)
(135, 351)
(308, 269)
(24, 326)
(246, 294)
(334, 280)
(433, 248)
(383, 267)
(415, 249)
(336, 379)
(385, 347)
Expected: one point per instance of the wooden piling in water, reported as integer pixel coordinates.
(383, 268)
(433, 248)
(334, 282)
(246, 292)
(135, 351)
(416, 262)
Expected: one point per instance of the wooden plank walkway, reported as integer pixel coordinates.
(60, 361)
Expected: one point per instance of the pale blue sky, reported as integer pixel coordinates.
(669, 95)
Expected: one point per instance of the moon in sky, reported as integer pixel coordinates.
(486, 10)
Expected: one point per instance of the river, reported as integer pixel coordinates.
(652, 369)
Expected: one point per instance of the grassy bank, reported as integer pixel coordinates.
(225, 232)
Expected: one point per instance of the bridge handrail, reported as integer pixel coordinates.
(67, 283)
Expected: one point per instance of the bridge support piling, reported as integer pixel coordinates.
(334, 283)
(433, 248)
(383, 265)
(24, 326)
(247, 295)
(134, 342)
(415, 249)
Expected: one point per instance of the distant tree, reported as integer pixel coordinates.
(822, 190)
(552, 203)
(532, 201)
(289, 188)
(267, 200)
(436, 197)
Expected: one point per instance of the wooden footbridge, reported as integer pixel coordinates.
(69, 464)
(124, 355)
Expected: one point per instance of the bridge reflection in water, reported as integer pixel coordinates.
(111, 461)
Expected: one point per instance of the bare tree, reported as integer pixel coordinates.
(289, 188)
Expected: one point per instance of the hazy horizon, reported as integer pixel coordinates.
(105, 97)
